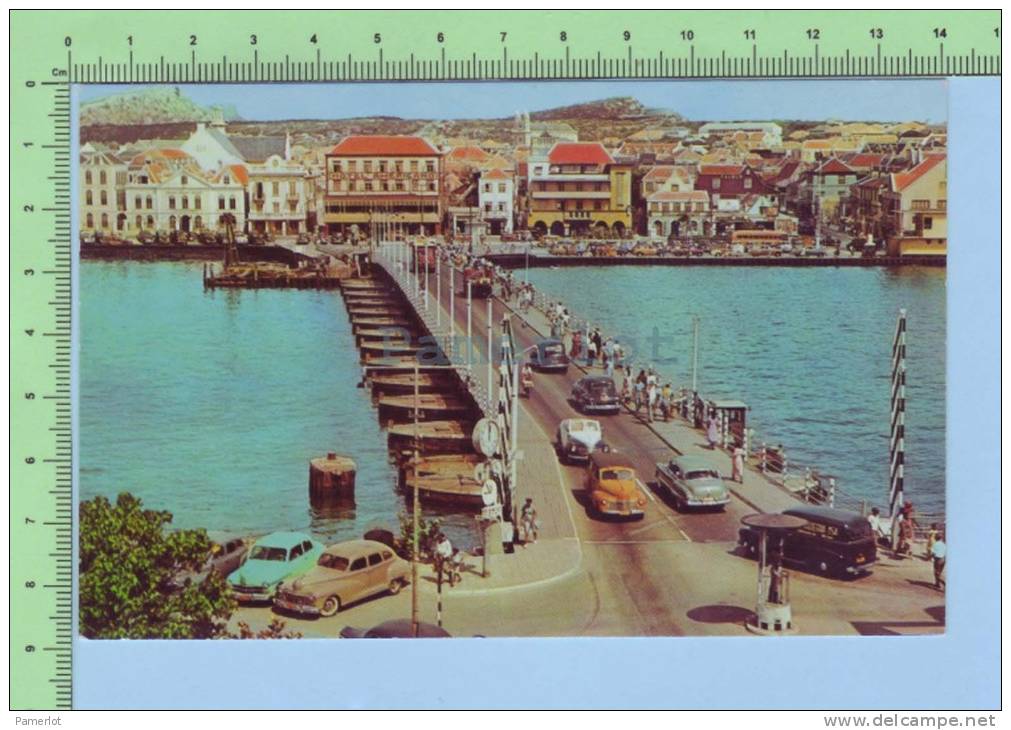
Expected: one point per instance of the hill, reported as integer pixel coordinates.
(156, 105)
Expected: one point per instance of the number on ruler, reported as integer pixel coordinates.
(688, 35)
(377, 38)
(940, 32)
(813, 34)
(877, 33)
(440, 37)
(252, 39)
(502, 35)
(193, 40)
(563, 36)
(749, 34)
(626, 35)
(313, 39)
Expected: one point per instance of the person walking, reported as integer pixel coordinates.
(591, 352)
(939, 553)
(651, 398)
(713, 432)
(528, 522)
(666, 401)
(738, 459)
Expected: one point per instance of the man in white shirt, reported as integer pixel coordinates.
(939, 552)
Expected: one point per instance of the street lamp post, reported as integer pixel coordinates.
(470, 319)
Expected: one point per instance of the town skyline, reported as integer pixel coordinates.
(788, 100)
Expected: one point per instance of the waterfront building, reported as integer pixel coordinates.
(668, 178)
(677, 214)
(166, 191)
(103, 205)
(730, 181)
(278, 197)
(496, 191)
(867, 207)
(388, 179)
(830, 187)
(583, 189)
(918, 204)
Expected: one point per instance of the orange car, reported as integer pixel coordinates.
(613, 487)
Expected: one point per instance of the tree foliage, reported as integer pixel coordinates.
(127, 563)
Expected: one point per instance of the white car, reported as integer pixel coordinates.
(578, 438)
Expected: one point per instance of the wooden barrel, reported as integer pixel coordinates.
(331, 477)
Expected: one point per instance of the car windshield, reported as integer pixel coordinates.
(584, 427)
(555, 349)
(262, 552)
(601, 387)
(702, 474)
(334, 562)
(617, 474)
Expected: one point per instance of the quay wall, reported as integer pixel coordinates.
(272, 254)
(520, 260)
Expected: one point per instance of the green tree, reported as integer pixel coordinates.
(127, 563)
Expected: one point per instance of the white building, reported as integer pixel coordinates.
(160, 196)
(210, 147)
(495, 195)
(278, 197)
(102, 204)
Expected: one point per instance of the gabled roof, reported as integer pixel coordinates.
(721, 169)
(226, 144)
(865, 159)
(659, 172)
(403, 146)
(902, 180)
(834, 166)
(237, 173)
(468, 153)
(258, 149)
(496, 174)
(579, 153)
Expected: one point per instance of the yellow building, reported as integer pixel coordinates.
(581, 190)
(918, 203)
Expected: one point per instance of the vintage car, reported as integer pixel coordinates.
(577, 438)
(645, 249)
(595, 394)
(548, 355)
(225, 557)
(344, 573)
(398, 628)
(834, 542)
(692, 481)
(272, 560)
(613, 487)
(303, 239)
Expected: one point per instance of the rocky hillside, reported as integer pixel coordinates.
(157, 105)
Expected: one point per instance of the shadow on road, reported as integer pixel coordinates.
(721, 614)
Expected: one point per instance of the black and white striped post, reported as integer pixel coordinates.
(897, 440)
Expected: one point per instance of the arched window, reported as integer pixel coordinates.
(105, 220)
(137, 204)
(198, 223)
(103, 197)
(186, 202)
(149, 204)
(221, 202)
(88, 198)
(172, 222)
(196, 202)
(87, 177)
(231, 203)
(150, 221)
(138, 223)
(89, 221)
(102, 178)
(172, 202)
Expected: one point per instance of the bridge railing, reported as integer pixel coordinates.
(413, 288)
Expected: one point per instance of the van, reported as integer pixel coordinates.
(834, 542)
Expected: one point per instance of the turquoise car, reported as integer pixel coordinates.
(273, 559)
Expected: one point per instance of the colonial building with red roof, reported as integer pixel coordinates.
(918, 202)
(580, 189)
(382, 180)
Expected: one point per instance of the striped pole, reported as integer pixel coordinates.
(897, 440)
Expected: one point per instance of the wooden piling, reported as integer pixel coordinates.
(331, 477)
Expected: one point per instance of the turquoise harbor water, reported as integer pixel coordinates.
(808, 349)
(210, 404)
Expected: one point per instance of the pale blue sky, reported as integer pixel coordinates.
(861, 100)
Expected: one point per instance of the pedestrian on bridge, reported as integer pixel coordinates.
(939, 552)
(738, 459)
(713, 432)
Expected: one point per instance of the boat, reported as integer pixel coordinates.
(434, 437)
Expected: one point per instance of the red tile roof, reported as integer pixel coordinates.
(835, 167)
(496, 174)
(865, 159)
(239, 173)
(468, 153)
(660, 172)
(579, 153)
(365, 145)
(721, 169)
(903, 180)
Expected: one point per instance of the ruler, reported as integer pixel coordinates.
(50, 51)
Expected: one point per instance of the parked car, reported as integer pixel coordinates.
(548, 355)
(398, 628)
(344, 573)
(577, 438)
(613, 487)
(302, 240)
(272, 560)
(595, 394)
(833, 542)
(225, 557)
(692, 481)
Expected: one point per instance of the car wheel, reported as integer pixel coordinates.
(823, 567)
(395, 585)
(330, 606)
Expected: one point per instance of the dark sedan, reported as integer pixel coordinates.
(595, 394)
(549, 356)
(398, 628)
